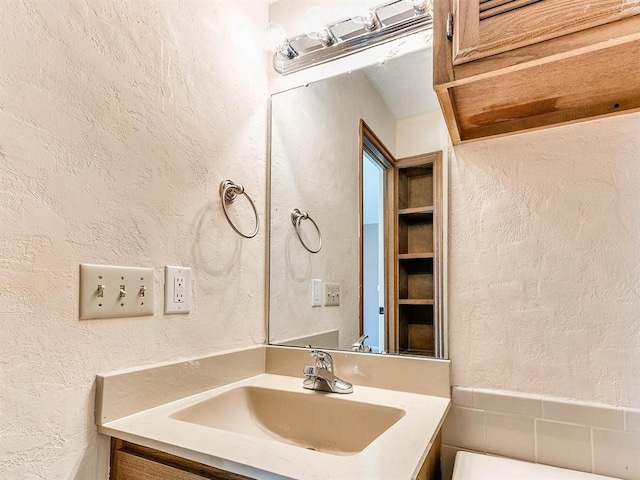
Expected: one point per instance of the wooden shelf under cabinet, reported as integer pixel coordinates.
(415, 279)
(416, 328)
(414, 256)
(416, 301)
(426, 353)
(416, 211)
(546, 63)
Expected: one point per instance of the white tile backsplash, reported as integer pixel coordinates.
(462, 397)
(564, 445)
(631, 420)
(507, 402)
(616, 454)
(581, 413)
(464, 427)
(510, 436)
(582, 436)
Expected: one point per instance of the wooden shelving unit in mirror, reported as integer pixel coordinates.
(418, 256)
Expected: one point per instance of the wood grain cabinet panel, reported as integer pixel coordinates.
(487, 27)
(430, 469)
(134, 462)
(516, 65)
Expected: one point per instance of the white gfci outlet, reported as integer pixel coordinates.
(316, 293)
(331, 294)
(177, 289)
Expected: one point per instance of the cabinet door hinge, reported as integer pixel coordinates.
(450, 26)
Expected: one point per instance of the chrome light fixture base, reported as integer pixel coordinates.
(397, 18)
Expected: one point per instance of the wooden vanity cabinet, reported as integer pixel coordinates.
(134, 462)
(418, 252)
(431, 467)
(506, 66)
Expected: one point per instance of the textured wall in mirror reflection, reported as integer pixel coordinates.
(314, 156)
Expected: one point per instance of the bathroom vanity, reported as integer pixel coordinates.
(245, 414)
(135, 462)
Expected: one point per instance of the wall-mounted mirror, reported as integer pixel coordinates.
(358, 156)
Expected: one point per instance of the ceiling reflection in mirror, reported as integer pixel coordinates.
(316, 169)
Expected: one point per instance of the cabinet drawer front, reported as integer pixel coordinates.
(135, 462)
(132, 467)
(488, 27)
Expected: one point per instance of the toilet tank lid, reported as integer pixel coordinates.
(474, 466)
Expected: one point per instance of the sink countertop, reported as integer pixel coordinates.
(397, 454)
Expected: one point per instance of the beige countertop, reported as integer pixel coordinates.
(396, 454)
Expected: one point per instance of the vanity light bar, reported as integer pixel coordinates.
(397, 19)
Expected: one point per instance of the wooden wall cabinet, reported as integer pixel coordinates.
(513, 65)
(418, 282)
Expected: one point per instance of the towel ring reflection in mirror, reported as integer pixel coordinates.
(229, 191)
(296, 218)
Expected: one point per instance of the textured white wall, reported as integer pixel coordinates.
(544, 283)
(421, 134)
(118, 120)
(314, 155)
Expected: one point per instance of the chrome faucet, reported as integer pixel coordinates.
(320, 377)
(359, 346)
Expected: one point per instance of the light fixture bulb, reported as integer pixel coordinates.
(420, 6)
(277, 41)
(369, 21)
(276, 36)
(316, 28)
(314, 20)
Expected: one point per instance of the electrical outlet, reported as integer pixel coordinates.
(108, 291)
(316, 293)
(331, 294)
(177, 289)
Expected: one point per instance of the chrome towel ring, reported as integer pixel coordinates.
(229, 191)
(296, 217)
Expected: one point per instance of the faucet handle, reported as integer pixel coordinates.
(310, 371)
(323, 359)
(359, 346)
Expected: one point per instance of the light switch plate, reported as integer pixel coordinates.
(331, 294)
(177, 289)
(108, 291)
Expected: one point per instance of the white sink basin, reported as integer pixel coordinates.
(308, 419)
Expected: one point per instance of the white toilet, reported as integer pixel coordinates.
(474, 466)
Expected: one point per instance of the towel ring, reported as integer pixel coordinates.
(296, 217)
(229, 191)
